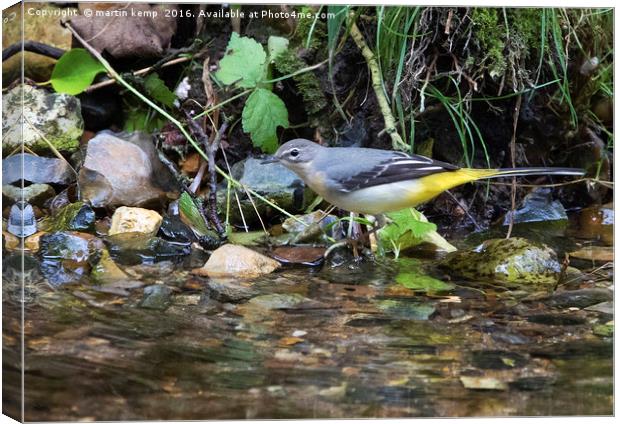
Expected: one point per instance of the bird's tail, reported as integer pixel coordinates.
(478, 174)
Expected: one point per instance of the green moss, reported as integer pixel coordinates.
(307, 83)
(490, 34)
(303, 29)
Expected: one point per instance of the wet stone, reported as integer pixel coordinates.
(514, 261)
(76, 216)
(303, 255)
(273, 181)
(405, 309)
(229, 291)
(231, 260)
(498, 360)
(67, 256)
(603, 307)
(36, 169)
(35, 194)
(279, 301)
(532, 383)
(556, 319)
(538, 206)
(579, 298)
(173, 229)
(128, 220)
(57, 117)
(122, 169)
(156, 296)
(137, 248)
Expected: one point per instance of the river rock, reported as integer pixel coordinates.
(76, 216)
(138, 248)
(579, 298)
(107, 271)
(36, 169)
(57, 117)
(597, 222)
(156, 296)
(127, 220)
(67, 256)
(122, 169)
(537, 206)
(271, 180)
(232, 260)
(35, 194)
(509, 261)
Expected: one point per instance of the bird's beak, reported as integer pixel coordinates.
(271, 159)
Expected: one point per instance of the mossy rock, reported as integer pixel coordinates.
(56, 118)
(76, 216)
(513, 262)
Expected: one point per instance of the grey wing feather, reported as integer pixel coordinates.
(393, 168)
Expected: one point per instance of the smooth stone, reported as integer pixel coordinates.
(538, 206)
(36, 169)
(313, 227)
(229, 291)
(597, 222)
(278, 301)
(305, 255)
(76, 216)
(603, 307)
(35, 194)
(273, 181)
(140, 220)
(138, 248)
(514, 261)
(121, 169)
(67, 256)
(172, 228)
(581, 298)
(55, 117)
(232, 260)
(594, 254)
(156, 296)
(107, 271)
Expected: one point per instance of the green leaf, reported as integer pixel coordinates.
(192, 215)
(408, 228)
(412, 277)
(75, 71)
(243, 63)
(262, 114)
(276, 46)
(158, 90)
(140, 119)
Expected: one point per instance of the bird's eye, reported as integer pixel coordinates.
(294, 153)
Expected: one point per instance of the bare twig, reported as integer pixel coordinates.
(513, 141)
(139, 72)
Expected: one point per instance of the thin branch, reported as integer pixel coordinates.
(375, 74)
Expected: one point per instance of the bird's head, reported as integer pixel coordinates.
(296, 153)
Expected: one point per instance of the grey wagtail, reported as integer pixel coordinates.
(373, 181)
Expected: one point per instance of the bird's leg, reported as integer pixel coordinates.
(354, 233)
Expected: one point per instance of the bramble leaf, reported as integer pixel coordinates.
(243, 63)
(276, 45)
(262, 114)
(75, 71)
(158, 90)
